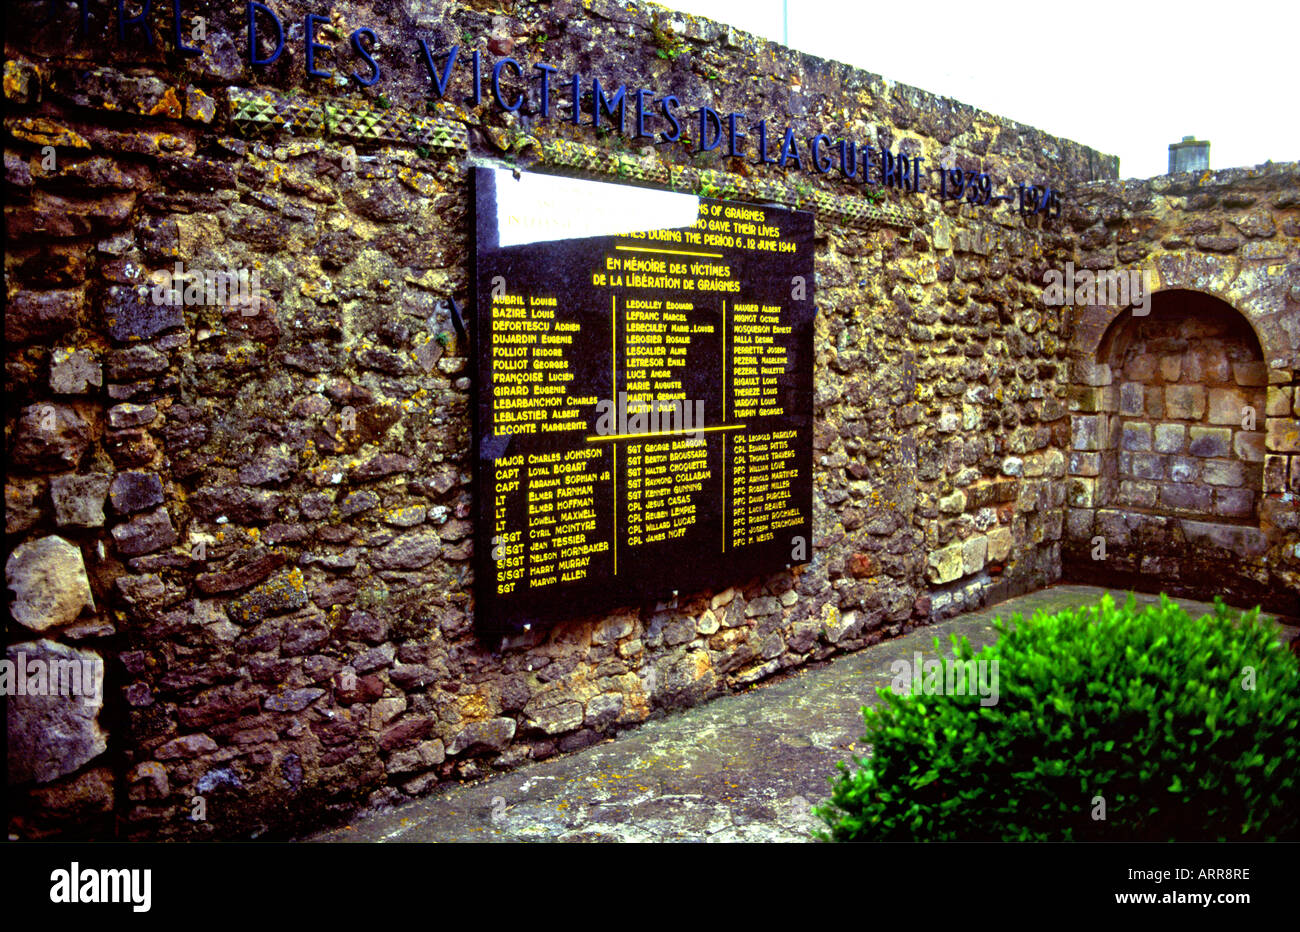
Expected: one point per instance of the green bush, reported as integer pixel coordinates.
(1149, 710)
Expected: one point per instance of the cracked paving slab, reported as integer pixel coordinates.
(743, 767)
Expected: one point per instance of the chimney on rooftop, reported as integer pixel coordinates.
(1190, 155)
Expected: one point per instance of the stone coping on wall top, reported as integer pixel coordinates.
(263, 114)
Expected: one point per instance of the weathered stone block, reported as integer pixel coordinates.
(51, 437)
(1222, 472)
(1084, 399)
(836, 625)
(131, 316)
(1206, 362)
(1226, 405)
(1170, 438)
(493, 735)
(148, 780)
(554, 717)
(1141, 368)
(1234, 503)
(1132, 399)
(1275, 473)
(999, 544)
(410, 551)
(973, 553)
(1185, 402)
(1209, 441)
(356, 502)
(53, 726)
(1054, 464)
(385, 710)
(40, 316)
(1081, 492)
(1088, 432)
(25, 502)
(48, 577)
(186, 747)
(1089, 373)
(74, 371)
(405, 733)
(1251, 374)
(135, 491)
(945, 563)
(79, 500)
(1138, 494)
(424, 755)
(131, 415)
(1135, 435)
(292, 700)
(1278, 403)
(1184, 469)
(1148, 466)
(1170, 367)
(1243, 541)
(284, 592)
(1085, 464)
(1283, 435)
(145, 534)
(954, 503)
(1186, 497)
(134, 363)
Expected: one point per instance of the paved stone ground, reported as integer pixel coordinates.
(743, 767)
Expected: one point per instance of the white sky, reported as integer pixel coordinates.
(1127, 77)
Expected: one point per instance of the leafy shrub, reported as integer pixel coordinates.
(1150, 710)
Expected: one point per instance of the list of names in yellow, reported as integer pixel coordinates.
(559, 533)
(763, 468)
(664, 480)
(759, 359)
(531, 381)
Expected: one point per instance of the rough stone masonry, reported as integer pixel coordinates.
(252, 512)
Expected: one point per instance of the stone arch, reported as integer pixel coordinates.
(1255, 290)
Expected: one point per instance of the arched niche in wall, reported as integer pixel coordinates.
(1185, 405)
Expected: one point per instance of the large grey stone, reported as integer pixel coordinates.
(51, 437)
(79, 500)
(53, 712)
(131, 316)
(410, 551)
(494, 734)
(49, 581)
(136, 491)
(73, 371)
(945, 563)
(145, 534)
(25, 502)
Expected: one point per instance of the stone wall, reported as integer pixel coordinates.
(255, 515)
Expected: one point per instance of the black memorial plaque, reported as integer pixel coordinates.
(644, 410)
